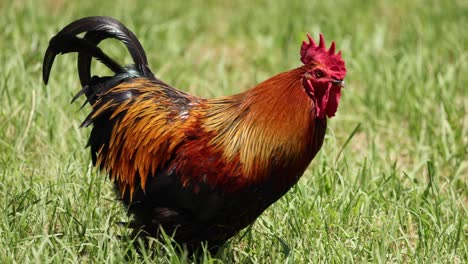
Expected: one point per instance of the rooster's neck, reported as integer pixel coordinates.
(267, 129)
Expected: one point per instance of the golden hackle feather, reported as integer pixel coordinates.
(274, 120)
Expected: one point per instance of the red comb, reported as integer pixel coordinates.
(310, 50)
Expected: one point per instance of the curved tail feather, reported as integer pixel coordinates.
(97, 29)
(62, 44)
(84, 59)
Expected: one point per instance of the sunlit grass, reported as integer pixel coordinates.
(396, 192)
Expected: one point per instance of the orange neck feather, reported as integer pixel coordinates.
(265, 127)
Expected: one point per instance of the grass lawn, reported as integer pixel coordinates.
(389, 185)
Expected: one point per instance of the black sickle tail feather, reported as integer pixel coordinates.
(97, 29)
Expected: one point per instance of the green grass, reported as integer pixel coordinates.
(396, 192)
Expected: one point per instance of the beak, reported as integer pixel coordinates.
(338, 82)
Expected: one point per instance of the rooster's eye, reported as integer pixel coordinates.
(318, 74)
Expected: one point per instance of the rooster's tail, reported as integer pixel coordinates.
(97, 29)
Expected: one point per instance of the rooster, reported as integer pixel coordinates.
(200, 169)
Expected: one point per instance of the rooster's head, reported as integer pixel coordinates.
(324, 76)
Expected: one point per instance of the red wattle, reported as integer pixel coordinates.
(326, 100)
(322, 101)
(334, 99)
